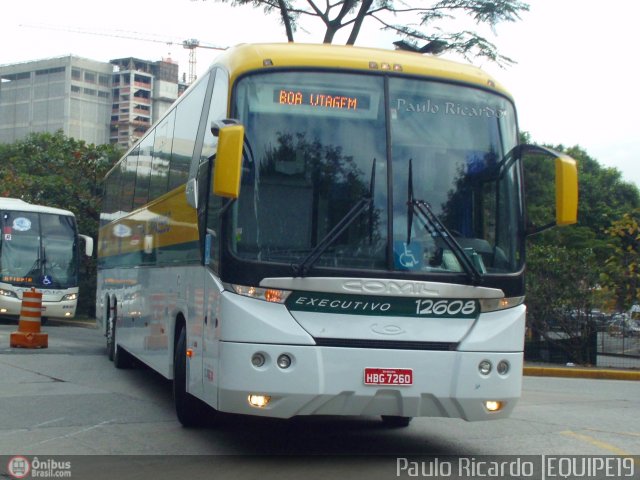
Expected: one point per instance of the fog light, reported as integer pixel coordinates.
(485, 367)
(493, 405)
(3, 310)
(257, 360)
(284, 361)
(259, 401)
(503, 367)
(67, 314)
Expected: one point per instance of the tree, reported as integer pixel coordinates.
(622, 268)
(574, 269)
(561, 293)
(57, 171)
(413, 22)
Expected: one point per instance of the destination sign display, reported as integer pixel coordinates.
(321, 99)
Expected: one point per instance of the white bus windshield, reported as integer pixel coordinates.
(321, 142)
(38, 249)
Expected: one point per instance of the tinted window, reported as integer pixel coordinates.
(159, 181)
(185, 131)
(143, 171)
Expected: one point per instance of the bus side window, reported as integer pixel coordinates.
(188, 113)
(159, 181)
(128, 171)
(143, 171)
(217, 111)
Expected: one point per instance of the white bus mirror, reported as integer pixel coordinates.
(88, 245)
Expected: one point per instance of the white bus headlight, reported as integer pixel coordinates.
(70, 296)
(266, 294)
(8, 293)
(485, 367)
(494, 304)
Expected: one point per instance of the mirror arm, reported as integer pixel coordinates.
(534, 230)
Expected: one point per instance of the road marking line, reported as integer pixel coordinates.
(628, 434)
(47, 423)
(72, 434)
(597, 443)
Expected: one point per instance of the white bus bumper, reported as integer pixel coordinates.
(62, 309)
(330, 381)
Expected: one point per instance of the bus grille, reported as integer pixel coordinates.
(385, 344)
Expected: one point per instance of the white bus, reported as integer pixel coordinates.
(39, 248)
(324, 230)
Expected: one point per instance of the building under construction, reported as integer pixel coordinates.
(93, 101)
(142, 92)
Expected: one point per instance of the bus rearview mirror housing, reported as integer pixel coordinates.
(88, 245)
(228, 163)
(566, 186)
(566, 190)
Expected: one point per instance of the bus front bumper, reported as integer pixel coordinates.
(330, 381)
(64, 309)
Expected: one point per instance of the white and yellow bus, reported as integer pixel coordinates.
(324, 230)
(39, 248)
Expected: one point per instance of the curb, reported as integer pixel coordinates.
(594, 373)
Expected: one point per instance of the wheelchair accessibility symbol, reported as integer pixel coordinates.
(408, 256)
(46, 280)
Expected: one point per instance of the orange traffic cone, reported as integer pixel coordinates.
(29, 334)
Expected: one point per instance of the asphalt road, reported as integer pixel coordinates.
(68, 399)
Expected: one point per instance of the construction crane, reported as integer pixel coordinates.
(190, 44)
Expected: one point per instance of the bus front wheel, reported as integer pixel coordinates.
(191, 411)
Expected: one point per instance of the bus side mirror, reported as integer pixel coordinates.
(88, 245)
(228, 164)
(566, 190)
(566, 186)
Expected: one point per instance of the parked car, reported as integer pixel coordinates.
(622, 325)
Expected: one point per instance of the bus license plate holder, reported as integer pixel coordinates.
(397, 377)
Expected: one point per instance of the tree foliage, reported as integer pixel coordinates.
(622, 268)
(572, 270)
(57, 171)
(560, 295)
(414, 22)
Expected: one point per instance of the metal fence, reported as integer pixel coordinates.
(603, 348)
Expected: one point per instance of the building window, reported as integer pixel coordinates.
(76, 74)
(89, 77)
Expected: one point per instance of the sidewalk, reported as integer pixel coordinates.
(547, 370)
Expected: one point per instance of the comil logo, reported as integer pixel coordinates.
(19, 467)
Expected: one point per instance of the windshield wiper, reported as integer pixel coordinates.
(301, 269)
(437, 229)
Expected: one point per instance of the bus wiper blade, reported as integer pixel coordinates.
(437, 228)
(365, 202)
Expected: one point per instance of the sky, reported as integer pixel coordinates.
(574, 83)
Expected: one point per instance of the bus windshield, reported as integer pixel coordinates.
(38, 249)
(322, 142)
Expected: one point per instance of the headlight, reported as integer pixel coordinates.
(266, 294)
(70, 296)
(8, 293)
(494, 304)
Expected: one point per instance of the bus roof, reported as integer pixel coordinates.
(7, 203)
(245, 58)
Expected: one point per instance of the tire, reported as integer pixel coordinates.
(121, 358)
(110, 334)
(191, 412)
(395, 421)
